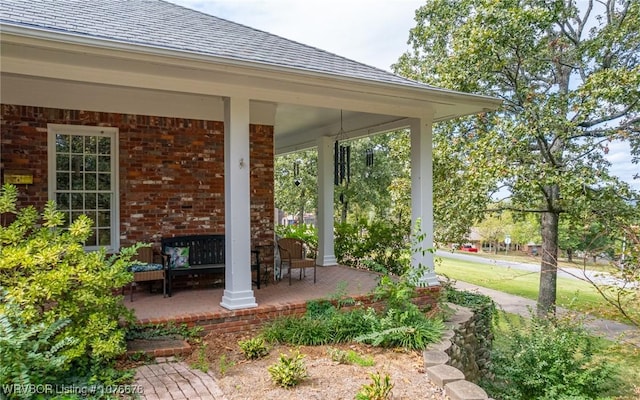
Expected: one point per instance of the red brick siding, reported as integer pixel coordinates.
(171, 170)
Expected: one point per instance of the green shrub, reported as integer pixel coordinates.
(289, 371)
(30, 354)
(46, 272)
(379, 389)
(307, 233)
(379, 245)
(254, 348)
(549, 359)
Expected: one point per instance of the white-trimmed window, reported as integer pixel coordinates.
(83, 179)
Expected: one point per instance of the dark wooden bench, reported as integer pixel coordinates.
(206, 256)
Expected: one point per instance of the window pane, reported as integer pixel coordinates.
(90, 144)
(77, 202)
(104, 237)
(62, 162)
(90, 163)
(104, 145)
(91, 241)
(90, 201)
(62, 201)
(90, 181)
(92, 217)
(104, 218)
(62, 143)
(77, 181)
(77, 144)
(76, 164)
(104, 164)
(104, 201)
(104, 182)
(62, 181)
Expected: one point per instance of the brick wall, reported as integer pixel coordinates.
(171, 170)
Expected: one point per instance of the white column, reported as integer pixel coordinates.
(422, 195)
(237, 225)
(326, 250)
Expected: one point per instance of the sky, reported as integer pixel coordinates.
(374, 32)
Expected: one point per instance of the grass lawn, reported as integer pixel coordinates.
(572, 294)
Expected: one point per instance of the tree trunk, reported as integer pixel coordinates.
(549, 264)
(570, 255)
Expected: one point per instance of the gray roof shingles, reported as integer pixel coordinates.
(161, 24)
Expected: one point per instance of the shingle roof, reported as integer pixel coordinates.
(161, 24)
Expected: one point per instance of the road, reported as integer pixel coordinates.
(565, 272)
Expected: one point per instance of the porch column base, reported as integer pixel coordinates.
(429, 279)
(238, 300)
(327, 261)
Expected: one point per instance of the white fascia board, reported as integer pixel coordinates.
(268, 73)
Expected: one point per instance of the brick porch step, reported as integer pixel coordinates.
(158, 347)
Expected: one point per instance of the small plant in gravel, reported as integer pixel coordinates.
(379, 389)
(350, 357)
(224, 364)
(253, 348)
(201, 363)
(289, 371)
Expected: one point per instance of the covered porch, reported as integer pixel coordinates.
(274, 300)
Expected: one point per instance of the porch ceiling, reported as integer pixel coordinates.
(302, 105)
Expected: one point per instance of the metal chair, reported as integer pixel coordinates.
(293, 253)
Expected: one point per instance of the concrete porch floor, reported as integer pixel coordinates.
(153, 307)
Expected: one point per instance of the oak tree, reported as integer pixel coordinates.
(569, 76)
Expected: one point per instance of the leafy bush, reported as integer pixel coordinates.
(254, 348)
(307, 233)
(47, 274)
(379, 389)
(380, 246)
(289, 371)
(549, 359)
(30, 354)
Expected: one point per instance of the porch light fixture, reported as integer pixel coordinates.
(341, 159)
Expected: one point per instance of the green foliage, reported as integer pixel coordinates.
(549, 359)
(378, 245)
(379, 389)
(46, 272)
(350, 357)
(569, 79)
(307, 233)
(254, 348)
(154, 331)
(30, 354)
(289, 371)
(201, 362)
(224, 364)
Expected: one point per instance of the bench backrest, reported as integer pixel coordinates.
(203, 249)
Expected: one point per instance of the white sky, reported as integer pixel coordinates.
(374, 32)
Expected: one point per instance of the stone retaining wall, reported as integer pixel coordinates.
(462, 356)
